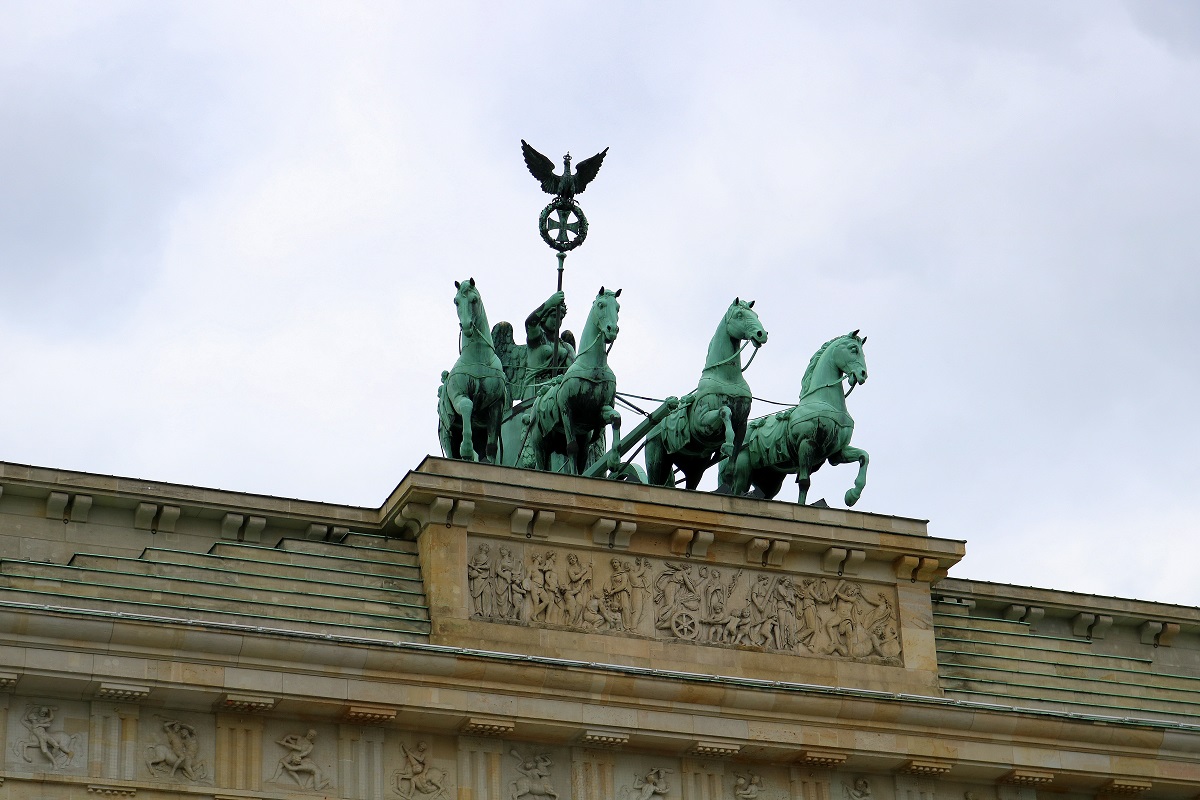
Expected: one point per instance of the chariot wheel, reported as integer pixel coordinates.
(563, 225)
(631, 473)
(685, 625)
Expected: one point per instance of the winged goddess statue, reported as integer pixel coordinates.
(568, 227)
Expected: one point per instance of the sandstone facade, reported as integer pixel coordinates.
(496, 634)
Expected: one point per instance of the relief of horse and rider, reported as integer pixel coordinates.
(698, 603)
(552, 404)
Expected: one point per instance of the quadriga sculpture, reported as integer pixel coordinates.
(474, 393)
(569, 415)
(711, 421)
(800, 439)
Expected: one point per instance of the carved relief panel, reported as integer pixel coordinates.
(299, 757)
(423, 774)
(176, 747)
(48, 736)
(648, 778)
(546, 586)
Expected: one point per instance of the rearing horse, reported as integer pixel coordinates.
(712, 419)
(474, 394)
(801, 438)
(570, 414)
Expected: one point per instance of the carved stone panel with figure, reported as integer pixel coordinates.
(546, 586)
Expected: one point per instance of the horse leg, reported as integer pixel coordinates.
(568, 425)
(464, 407)
(495, 415)
(845, 456)
(804, 482)
(658, 464)
(611, 416)
(693, 470)
(727, 418)
(737, 474)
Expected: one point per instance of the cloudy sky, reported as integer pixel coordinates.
(228, 235)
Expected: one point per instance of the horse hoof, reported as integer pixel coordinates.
(851, 497)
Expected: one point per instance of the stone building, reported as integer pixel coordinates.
(494, 634)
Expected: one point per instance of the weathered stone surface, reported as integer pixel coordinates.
(362, 665)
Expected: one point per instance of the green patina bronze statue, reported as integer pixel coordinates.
(569, 415)
(562, 223)
(710, 422)
(474, 394)
(800, 439)
(547, 354)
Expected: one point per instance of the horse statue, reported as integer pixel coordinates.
(799, 439)
(709, 423)
(474, 394)
(569, 414)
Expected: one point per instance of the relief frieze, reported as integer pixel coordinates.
(542, 586)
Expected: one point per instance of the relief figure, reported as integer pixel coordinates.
(534, 781)
(503, 579)
(299, 762)
(696, 603)
(579, 589)
(416, 780)
(616, 593)
(648, 786)
(747, 787)
(179, 754)
(479, 578)
(57, 746)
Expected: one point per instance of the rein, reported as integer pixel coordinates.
(838, 383)
(736, 354)
(475, 327)
(599, 336)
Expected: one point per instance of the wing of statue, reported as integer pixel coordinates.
(541, 168)
(586, 170)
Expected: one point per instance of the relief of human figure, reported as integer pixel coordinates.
(616, 593)
(179, 754)
(57, 746)
(649, 786)
(578, 589)
(299, 762)
(639, 589)
(542, 585)
(762, 622)
(886, 639)
(812, 593)
(556, 613)
(534, 781)
(849, 611)
(714, 604)
(785, 614)
(676, 590)
(416, 779)
(479, 578)
(747, 787)
(503, 576)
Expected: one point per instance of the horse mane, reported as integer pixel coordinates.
(812, 364)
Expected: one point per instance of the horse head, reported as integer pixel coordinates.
(741, 323)
(849, 357)
(604, 314)
(470, 308)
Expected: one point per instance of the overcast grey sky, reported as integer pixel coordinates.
(228, 235)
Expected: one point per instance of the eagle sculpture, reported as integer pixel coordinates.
(568, 184)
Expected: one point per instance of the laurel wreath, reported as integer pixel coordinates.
(562, 204)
